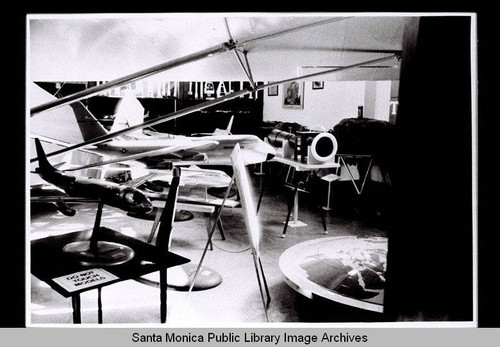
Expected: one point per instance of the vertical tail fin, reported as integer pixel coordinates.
(128, 112)
(49, 172)
(43, 163)
(44, 167)
(226, 131)
(89, 125)
(230, 125)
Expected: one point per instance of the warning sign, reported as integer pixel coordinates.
(84, 279)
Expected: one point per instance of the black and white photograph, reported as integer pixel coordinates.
(167, 186)
(293, 95)
(273, 91)
(318, 85)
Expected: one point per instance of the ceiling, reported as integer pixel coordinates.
(105, 47)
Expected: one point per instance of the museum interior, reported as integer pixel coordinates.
(238, 169)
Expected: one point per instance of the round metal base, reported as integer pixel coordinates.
(106, 254)
(182, 216)
(180, 277)
(221, 192)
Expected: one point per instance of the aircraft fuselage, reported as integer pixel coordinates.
(118, 195)
(121, 196)
(218, 148)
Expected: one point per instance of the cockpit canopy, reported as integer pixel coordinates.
(133, 196)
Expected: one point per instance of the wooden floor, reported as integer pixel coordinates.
(237, 300)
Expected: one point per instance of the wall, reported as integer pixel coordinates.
(336, 101)
(377, 100)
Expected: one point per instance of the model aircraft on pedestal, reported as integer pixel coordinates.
(150, 152)
(123, 196)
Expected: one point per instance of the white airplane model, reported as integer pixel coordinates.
(159, 151)
(204, 150)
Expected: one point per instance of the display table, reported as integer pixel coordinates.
(347, 269)
(301, 167)
(50, 264)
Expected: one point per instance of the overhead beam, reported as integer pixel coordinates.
(330, 71)
(132, 77)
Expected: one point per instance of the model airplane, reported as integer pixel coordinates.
(157, 150)
(135, 195)
(193, 186)
(218, 131)
(160, 150)
(123, 196)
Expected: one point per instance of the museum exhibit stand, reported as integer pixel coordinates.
(72, 273)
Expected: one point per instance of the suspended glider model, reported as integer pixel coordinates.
(234, 150)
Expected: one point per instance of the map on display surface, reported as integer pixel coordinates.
(346, 269)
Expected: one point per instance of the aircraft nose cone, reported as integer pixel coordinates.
(147, 207)
(144, 206)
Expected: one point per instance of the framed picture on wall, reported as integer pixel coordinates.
(318, 85)
(293, 95)
(272, 91)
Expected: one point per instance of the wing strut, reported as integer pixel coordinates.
(133, 77)
(245, 66)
